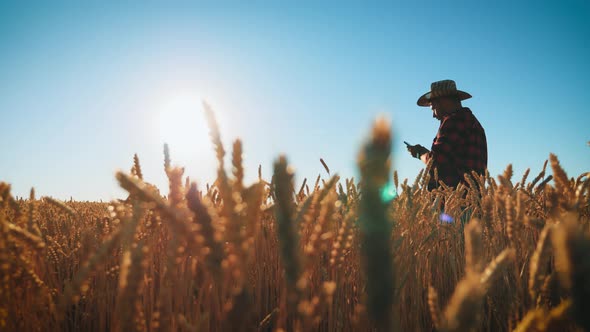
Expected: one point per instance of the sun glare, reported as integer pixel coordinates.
(181, 124)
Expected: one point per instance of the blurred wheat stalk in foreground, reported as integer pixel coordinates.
(338, 255)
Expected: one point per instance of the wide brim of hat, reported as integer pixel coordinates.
(424, 100)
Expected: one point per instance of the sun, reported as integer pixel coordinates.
(180, 123)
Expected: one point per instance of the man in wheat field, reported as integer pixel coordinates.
(460, 145)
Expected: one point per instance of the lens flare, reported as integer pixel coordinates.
(388, 193)
(446, 218)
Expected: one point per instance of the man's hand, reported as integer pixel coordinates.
(417, 150)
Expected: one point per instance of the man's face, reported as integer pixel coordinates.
(441, 106)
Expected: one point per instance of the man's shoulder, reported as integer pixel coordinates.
(463, 114)
(454, 116)
(460, 119)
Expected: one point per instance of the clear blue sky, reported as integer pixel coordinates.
(84, 87)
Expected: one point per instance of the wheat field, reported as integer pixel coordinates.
(499, 254)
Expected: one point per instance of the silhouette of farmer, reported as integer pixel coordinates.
(460, 145)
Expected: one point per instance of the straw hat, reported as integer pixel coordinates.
(442, 89)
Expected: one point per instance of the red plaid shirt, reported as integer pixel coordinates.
(459, 147)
